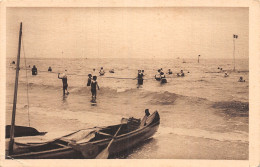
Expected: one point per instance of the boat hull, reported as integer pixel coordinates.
(59, 149)
(126, 141)
(123, 144)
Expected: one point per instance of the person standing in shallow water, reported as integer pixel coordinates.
(241, 79)
(101, 72)
(34, 70)
(64, 82)
(89, 79)
(140, 79)
(94, 86)
(50, 69)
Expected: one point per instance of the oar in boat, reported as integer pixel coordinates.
(105, 153)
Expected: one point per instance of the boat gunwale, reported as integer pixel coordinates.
(132, 133)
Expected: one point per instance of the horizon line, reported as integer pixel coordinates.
(115, 58)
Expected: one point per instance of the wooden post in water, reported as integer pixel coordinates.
(234, 51)
(11, 143)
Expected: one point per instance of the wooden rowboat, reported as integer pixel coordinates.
(87, 143)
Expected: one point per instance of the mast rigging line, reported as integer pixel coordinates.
(27, 85)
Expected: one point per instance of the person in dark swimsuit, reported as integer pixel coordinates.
(158, 75)
(241, 79)
(50, 69)
(140, 78)
(34, 70)
(94, 86)
(64, 82)
(169, 71)
(181, 74)
(89, 79)
(163, 78)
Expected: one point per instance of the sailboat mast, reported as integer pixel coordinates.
(234, 51)
(15, 94)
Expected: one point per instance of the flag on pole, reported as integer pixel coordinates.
(235, 36)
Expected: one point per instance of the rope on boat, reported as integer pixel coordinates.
(27, 85)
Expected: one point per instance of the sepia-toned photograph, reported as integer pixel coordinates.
(127, 83)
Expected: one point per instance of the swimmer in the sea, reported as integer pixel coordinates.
(241, 79)
(112, 71)
(226, 74)
(181, 74)
(34, 70)
(158, 75)
(64, 82)
(139, 79)
(163, 77)
(89, 79)
(50, 69)
(94, 86)
(101, 72)
(142, 72)
(169, 71)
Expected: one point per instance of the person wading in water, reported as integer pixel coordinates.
(140, 79)
(50, 69)
(94, 86)
(64, 82)
(34, 70)
(89, 79)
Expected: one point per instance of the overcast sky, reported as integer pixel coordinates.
(128, 32)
